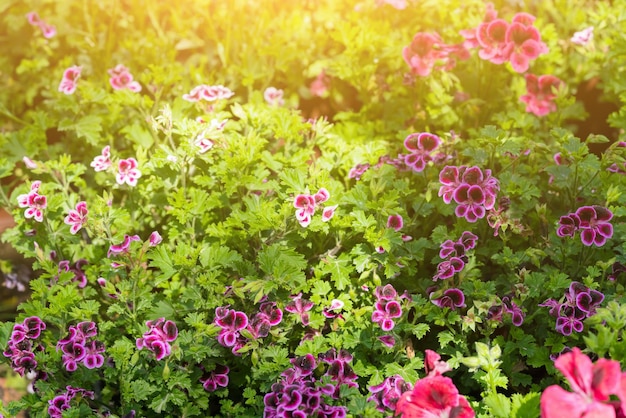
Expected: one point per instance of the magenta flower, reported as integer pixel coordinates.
(273, 96)
(592, 385)
(47, 30)
(540, 94)
(395, 221)
(387, 393)
(124, 246)
(230, 322)
(81, 347)
(216, 378)
(524, 42)
(328, 213)
(158, 337)
(448, 268)
(594, 224)
(300, 307)
(33, 202)
(77, 217)
(102, 162)
(319, 87)
(472, 190)
(424, 52)
(421, 146)
(121, 79)
(451, 298)
(127, 172)
(491, 38)
(434, 396)
(385, 311)
(568, 225)
(155, 239)
(70, 79)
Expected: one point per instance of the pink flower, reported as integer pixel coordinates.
(395, 222)
(524, 42)
(48, 30)
(540, 94)
(124, 246)
(34, 202)
(77, 217)
(300, 306)
(155, 239)
(319, 86)
(583, 37)
(70, 79)
(121, 79)
(30, 164)
(127, 172)
(594, 224)
(102, 162)
(208, 93)
(491, 37)
(434, 397)
(424, 52)
(592, 385)
(421, 146)
(273, 96)
(328, 213)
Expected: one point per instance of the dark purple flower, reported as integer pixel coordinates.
(451, 298)
(594, 224)
(300, 307)
(568, 225)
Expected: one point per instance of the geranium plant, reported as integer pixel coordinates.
(246, 209)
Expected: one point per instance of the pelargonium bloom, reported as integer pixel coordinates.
(300, 307)
(155, 239)
(434, 396)
(540, 94)
(592, 385)
(208, 93)
(218, 377)
(423, 53)
(157, 339)
(421, 146)
(273, 96)
(583, 37)
(395, 221)
(47, 30)
(124, 246)
(34, 202)
(77, 217)
(121, 79)
(594, 224)
(524, 42)
(70, 79)
(451, 298)
(102, 162)
(127, 172)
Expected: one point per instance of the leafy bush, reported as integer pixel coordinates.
(263, 208)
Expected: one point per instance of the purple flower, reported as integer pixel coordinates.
(155, 239)
(568, 225)
(386, 308)
(594, 224)
(448, 268)
(216, 378)
(77, 217)
(472, 190)
(421, 146)
(158, 337)
(124, 246)
(395, 221)
(300, 307)
(451, 298)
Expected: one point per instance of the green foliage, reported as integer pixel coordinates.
(222, 197)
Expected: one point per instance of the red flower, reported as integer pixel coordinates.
(592, 384)
(434, 397)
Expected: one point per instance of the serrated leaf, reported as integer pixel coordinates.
(499, 404)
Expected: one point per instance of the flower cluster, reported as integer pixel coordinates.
(80, 346)
(217, 377)
(387, 307)
(273, 96)
(387, 393)
(158, 338)
(420, 146)
(34, 202)
(77, 217)
(300, 394)
(580, 303)
(592, 383)
(21, 346)
(231, 323)
(427, 51)
(47, 30)
(499, 41)
(127, 171)
(60, 403)
(434, 395)
(306, 205)
(472, 190)
(453, 255)
(300, 307)
(540, 93)
(507, 306)
(208, 93)
(591, 221)
(102, 162)
(269, 315)
(121, 79)
(70, 79)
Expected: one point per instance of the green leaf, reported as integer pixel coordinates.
(141, 390)
(87, 127)
(525, 406)
(284, 265)
(139, 135)
(499, 404)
